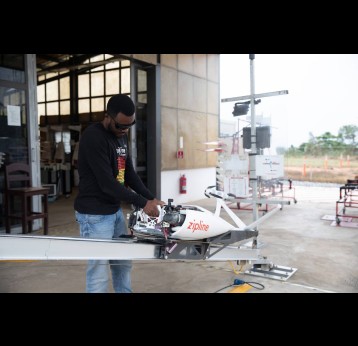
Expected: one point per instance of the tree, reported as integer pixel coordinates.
(312, 138)
(344, 143)
(349, 133)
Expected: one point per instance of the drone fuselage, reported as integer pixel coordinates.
(187, 222)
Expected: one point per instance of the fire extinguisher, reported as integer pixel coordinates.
(182, 184)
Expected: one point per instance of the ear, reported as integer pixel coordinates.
(106, 120)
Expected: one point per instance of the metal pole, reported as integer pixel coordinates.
(32, 127)
(252, 155)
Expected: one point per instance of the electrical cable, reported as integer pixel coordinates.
(238, 282)
(223, 288)
(256, 285)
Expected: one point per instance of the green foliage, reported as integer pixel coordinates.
(327, 143)
(349, 133)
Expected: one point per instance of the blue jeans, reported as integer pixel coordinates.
(105, 227)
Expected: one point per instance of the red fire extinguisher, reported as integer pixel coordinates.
(182, 184)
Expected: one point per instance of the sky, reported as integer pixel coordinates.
(322, 93)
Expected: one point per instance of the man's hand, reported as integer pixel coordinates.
(151, 208)
(161, 203)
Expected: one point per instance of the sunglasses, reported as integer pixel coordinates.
(122, 126)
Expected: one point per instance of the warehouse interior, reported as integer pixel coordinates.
(71, 92)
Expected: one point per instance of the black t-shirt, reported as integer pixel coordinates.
(106, 174)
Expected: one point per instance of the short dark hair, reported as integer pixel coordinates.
(120, 103)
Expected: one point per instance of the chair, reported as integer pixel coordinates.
(18, 183)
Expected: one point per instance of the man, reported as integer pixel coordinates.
(106, 171)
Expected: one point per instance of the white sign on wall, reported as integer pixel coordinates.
(238, 186)
(13, 116)
(269, 166)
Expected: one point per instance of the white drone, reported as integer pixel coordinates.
(193, 223)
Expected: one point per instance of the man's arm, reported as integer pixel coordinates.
(134, 181)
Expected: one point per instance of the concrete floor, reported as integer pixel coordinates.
(326, 257)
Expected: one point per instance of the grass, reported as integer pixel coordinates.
(321, 169)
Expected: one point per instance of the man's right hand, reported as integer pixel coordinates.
(151, 208)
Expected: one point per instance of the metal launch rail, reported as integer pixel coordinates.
(23, 247)
(231, 245)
